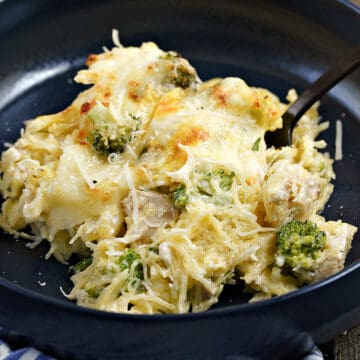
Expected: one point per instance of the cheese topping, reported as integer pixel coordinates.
(165, 188)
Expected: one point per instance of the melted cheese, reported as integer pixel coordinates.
(203, 138)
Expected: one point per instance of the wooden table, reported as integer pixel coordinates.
(344, 347)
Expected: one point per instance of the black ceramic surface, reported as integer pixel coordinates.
(274, 44)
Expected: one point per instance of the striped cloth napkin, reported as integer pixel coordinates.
(28, 353)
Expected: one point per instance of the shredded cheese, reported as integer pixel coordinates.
(115, 38)
(84, 174)
(129, 180)
(338, 140)
(179, 202)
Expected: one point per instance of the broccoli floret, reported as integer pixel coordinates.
(225, 179)
(170, 55)
(299, 245)
(107, 136)
(154, 249)
(82, 264)
(181, 198)
(180, 73)
(183, 77)
(106, 140)
(211, 180)
(93, 292)
(204, 185)
(125, 263)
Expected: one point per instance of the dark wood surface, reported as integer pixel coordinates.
(345, 346)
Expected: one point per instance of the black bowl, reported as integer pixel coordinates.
(274, 44)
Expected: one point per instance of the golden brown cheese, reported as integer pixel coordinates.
(167, 182)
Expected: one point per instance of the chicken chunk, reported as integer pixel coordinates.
(290, 192)
(339, 237)
(146, 212)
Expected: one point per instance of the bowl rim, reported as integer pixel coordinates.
(210, 313)
(69, 306)
(350, 4)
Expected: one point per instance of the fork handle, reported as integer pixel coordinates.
(323, 84)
